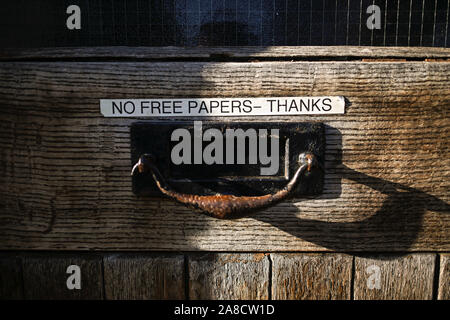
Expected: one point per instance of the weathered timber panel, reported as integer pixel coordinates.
(391, 277)
(273, 52)
(220, 276)
(444, 277)
(64, 174)
(46, 277)
(11, 284)
(144, 277)
(311, 276)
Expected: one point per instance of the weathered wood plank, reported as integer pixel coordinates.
(219, 276)
(47, 277)
(223, 52)
(311, 276)
(64, 169)
(11, 284)
(444, 277)
(130, 277)
(390, 277)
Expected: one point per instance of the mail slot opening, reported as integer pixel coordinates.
(242, 158)
(219, 152)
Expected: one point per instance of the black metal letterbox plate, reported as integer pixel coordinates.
(154, 137)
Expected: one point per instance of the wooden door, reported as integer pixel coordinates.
(379, 231)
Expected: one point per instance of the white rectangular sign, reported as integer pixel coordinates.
(222, 107)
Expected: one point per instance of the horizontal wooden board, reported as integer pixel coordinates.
(297, 276)
(311, 52)
(130, 277)
(64, 169)
(387, 277)
(223, 276)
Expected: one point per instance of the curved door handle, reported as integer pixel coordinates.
(225, 206)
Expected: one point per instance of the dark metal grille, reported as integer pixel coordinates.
(42, 23)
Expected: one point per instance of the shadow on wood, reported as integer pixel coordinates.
(397, 222)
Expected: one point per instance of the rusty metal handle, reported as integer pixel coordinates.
(224, 206)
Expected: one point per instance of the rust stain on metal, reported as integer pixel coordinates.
(224, 206)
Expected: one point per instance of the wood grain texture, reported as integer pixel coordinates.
(444, 277)
(11, 284)
(223, 52)
(301, 276)
(405, 278)
(64, 169)
(45, 277)
(219, 276)
(143, 277)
